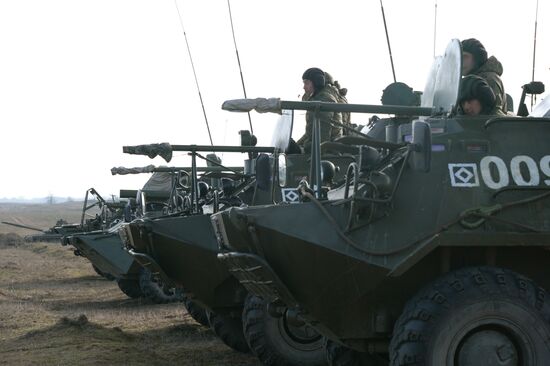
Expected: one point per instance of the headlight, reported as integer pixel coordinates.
(328, 171)
(125, 237)
(219, 231)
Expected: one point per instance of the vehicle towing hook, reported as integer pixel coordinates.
(480, 213)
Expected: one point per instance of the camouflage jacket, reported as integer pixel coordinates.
(346, 116)
(491, 72)
(328, 131)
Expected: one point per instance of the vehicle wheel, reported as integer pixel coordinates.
(475, 316)
(338, 355)
(229, 329)
(130, 288)
(276, 341)
(154, 289)
(105, 275)
(197, 312)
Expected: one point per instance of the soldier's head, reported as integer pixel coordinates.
(473, 55)
(476, 96)
(329, 80)
(314, 80)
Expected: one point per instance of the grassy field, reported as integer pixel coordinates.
(54, 310)
(40, 216)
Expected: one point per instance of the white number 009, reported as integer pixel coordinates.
(502, 178)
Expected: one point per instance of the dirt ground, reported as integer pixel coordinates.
(55, 310)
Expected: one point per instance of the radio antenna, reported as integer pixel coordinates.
(194, 72)
(388, 40)
(238, 60)
(534, 52)
(435, 25)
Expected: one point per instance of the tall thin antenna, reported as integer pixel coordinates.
(238, 61)
(388, 40)
(194, 72)
(435, 25)
(534, 52)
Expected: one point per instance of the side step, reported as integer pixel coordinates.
(256, 275)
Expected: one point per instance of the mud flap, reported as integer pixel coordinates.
(256, 275)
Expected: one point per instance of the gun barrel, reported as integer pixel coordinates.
(357, 108)
(139, 150)
(22, 226)
(238, 149)
(138, 170)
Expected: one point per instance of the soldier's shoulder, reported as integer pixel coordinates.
(491, 67)
(326, 95)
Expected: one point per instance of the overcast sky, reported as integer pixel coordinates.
(80, 79)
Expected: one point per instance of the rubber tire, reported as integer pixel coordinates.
(197, 312)
(264, 337)
(105, 275)
(338, 355)
(130, 288)
(430, 320)
(153, 290)
(229, 330)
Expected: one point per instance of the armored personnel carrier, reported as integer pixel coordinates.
(182, 248)
(435, 251)
(103, 248)
(108, 212)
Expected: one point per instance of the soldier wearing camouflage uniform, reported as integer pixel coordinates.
(475, 62)
(340, 94)
(316, 89)
(476, 97)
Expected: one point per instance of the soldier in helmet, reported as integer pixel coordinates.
(477, 97)
(340, 94)
(316, 89)
(475, 62)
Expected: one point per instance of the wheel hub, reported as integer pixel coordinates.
(299, 335)
(168, 291)
(488, 347)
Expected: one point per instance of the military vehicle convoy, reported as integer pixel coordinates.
(423, 240)
(104, 249)
(108, 212)
(435, 250)
(169, 191)
(182, 248)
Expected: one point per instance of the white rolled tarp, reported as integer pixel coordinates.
(137, 170)
(260, 105)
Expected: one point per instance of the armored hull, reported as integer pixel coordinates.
(183, 250)
(104, 250)
(485, 201)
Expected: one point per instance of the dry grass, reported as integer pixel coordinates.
(54, 310)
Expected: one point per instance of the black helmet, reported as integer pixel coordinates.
(474, 87)
(316, 76)
(475, 47)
